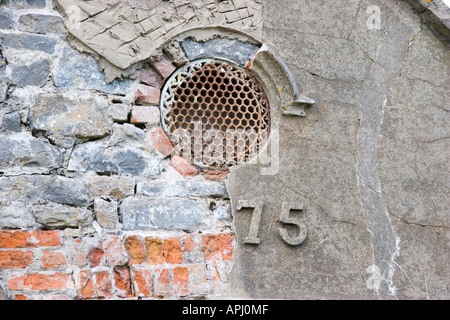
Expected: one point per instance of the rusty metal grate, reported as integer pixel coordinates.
(215, 113)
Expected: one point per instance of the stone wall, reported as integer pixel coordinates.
(92, 203)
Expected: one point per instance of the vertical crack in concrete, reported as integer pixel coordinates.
(373, 100)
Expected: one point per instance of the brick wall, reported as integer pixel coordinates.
(53, 264)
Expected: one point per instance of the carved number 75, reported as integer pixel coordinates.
(284, 218)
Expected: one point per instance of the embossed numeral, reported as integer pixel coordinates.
(286, 219)
(252, 237)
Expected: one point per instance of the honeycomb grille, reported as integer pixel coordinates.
(216, 114)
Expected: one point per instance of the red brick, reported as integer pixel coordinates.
(154, 250)
(162, 283)
(172, 251)
(135, 249)
(96, 257)
(79, 260)
(123, 282)
(103, 284)
(211, 248)
(115, 252)
(85, 285)
(36, 281)
(215, 174)
(15, 259)
(183, 166)
(52, 259)
(180, 281)
(226, 245)
(145, 114)
(27, 239)
(149, 77)
(147, 95)
(161, 142)
(20, 297)
(164, 67)
(190, 243)
(143, 282)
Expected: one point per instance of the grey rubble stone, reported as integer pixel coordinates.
(102, 159)
(223, 214)
(81, 71)
(119, 112)
(106, 213)
(16, 215)
(28, 41)
(6, 19)
(200, 188)
(34, 74)
(65, 119)
(117, 187)
(23, 153)
(35, 188)
(25, 4)
(234, 50)
(127, 151)
(11, 122)
(41, 23)
(54, 215)
(143, 213)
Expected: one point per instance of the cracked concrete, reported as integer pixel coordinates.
(372, 197)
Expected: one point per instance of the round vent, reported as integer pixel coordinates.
(215, 113)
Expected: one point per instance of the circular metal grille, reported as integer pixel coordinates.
(215, 113)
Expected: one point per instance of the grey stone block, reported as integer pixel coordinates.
(22, 153)
(6, 19)
(11, 122)
(234, 50)
(116, 187)
(102, 159)
(144, 213)
(81, 71)
(41, 23)
(34, 74)
(106, 212)
(16, 215)
(65, 119)
(126, 152)
(119, 112)
(194, 188)
(35, 188)
(54, 215)
(28, 41)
